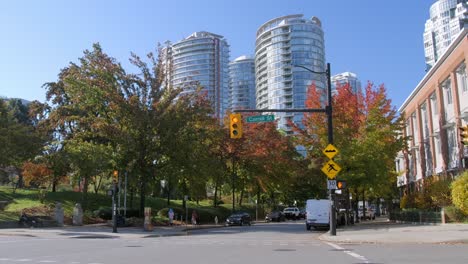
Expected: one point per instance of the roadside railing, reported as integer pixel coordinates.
(416, 216)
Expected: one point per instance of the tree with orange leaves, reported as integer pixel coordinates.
(366, 129)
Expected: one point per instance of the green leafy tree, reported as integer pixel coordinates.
(460, 192)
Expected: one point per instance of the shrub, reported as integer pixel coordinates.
(460, 192)
(106, 213)
(103, 213)
(440, 193)
(454, 214)
(165, 212)
(407, 201)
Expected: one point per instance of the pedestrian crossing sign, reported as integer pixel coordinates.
(331, 169)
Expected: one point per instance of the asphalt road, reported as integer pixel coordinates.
(262, 243)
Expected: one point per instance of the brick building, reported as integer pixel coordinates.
(434, 111)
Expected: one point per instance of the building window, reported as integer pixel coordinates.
(461, 77)
(434, 104)
(448, 91)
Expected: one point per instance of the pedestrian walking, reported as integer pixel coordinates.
(171, 216)
(194, 217)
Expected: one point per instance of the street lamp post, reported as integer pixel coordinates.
(329, 113)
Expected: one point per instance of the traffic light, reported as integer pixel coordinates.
(341, 185)
(235, 125)
(464, 135)
(115, 175)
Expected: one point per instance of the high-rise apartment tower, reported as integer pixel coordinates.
(344, 78)
(201, 59)
(282, 44)
(447, 19)
(242, 83)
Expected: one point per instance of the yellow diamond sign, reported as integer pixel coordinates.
(331, 169)
(330, 151)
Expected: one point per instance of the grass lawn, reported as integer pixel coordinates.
(30, 199)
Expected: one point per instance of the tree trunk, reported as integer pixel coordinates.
(168, 189)
(356, 205)
(54, 185)
(364, 208)
(132, 195)
(142, 196)
(241, 196)
(215, 199)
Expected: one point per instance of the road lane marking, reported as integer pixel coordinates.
(47, 261)
(352, 254)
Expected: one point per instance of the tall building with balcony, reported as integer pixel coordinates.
(346, 78)
(242, 83)
(282, 43)
(447, 19)
(201, 59)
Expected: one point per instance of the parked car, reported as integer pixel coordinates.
(275, 216)
(240, 218)
(302, 214)
(370, 214)
(341, 217)
(291, 212)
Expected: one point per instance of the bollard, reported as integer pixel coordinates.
(216, 220)
(59, 215)
(77, 215)
(442, 215)
(148, 226)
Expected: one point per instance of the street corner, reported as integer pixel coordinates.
(199, 227)
(10, 234)
(350, 239)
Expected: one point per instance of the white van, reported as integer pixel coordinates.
(318, 213)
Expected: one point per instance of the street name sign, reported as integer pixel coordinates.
(260, 118)
(331, 169)
(330, 151)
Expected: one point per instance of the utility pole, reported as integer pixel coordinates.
(329, 111)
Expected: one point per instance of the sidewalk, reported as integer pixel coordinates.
(383, 231)
(102, 231)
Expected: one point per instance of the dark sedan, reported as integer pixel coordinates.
(275, 216)
(238, 219)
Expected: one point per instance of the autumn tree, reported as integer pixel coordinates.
(366, 129)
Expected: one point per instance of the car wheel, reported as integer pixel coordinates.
(241, 223)
(250, 223)
(308, 227)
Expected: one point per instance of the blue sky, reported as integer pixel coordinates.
(381, 41)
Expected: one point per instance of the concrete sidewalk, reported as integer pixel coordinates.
(382, 230)
(102, 231)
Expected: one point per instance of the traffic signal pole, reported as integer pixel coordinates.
(328, 110)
